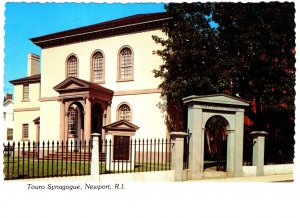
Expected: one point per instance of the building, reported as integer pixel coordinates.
(93, 79)
(8, 119)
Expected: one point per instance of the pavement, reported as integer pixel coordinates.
(271, 178)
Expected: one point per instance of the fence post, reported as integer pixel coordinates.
(177, 154)
(258, 151)
(95, 157)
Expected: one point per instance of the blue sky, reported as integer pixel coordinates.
(24, 21)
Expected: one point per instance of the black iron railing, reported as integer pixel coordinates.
(24, 160)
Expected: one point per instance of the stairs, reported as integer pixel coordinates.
(66, 156)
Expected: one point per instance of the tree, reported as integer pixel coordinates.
(251, 54)
(258, 44)
(189, 53)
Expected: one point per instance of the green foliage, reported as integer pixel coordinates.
(257, 43)
(188, 53)
(250, 54)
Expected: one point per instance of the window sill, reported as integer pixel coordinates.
(125, 80)
(25, 100)
(99, 82)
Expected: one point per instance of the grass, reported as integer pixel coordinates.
(33, 168)
(29, 168)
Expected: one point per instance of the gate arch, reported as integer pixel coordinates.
(200, 110)
(215, 143)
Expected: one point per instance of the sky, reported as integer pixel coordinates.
(28, 20)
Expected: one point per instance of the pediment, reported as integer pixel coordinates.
(71, 83)
(122, 125)
(215, 99)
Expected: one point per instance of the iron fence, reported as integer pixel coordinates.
(24, 160)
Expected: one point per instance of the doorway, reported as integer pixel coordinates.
(97, 115)
(215, 144)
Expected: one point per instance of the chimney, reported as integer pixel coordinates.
(8, 96)
(33, 67)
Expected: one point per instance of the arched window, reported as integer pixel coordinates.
(72, 122)
(125, 64)
(98, 67)
(124, 112)
(72, 66)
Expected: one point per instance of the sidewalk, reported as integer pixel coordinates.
(272, 178)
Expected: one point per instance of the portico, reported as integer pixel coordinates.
(84, 108)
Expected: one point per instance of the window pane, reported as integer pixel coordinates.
(98, 67)
(25, 92)
(126, 63)
(25, 131)
(9, 134)
(124, 112)
(72, 121)
(72, 66)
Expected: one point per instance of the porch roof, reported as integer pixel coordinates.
(121, 125)
(73, 84)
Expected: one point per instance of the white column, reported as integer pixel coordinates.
(177, 154)
(259, 151)
(95, 157)
(196, 145)
(239, 143)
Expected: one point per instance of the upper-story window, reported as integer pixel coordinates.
(98, 67)
(124, 112)
(25, 92)
(72, 66)
(125, 64)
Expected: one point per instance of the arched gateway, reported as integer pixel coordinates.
(201, 109)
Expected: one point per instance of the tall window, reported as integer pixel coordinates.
(98, 67)
(26, 92)
(9, 134)
(72, 121)
(4, 115)
(124, 112)
(72, 66)
(25, 131)
(126, 64)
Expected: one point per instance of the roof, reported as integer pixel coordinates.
(36, 120)
(121, 125)
(8, 101)
(72, 83)
(120, 26)
(30, 79)
(215, 99)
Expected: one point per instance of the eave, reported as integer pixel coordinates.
(116, 27)
(25, 80)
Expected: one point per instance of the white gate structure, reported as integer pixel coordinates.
(200, 110)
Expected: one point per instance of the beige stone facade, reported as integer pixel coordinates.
(62, 106)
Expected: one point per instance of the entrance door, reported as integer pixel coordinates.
(121, 147)
(97, 119)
